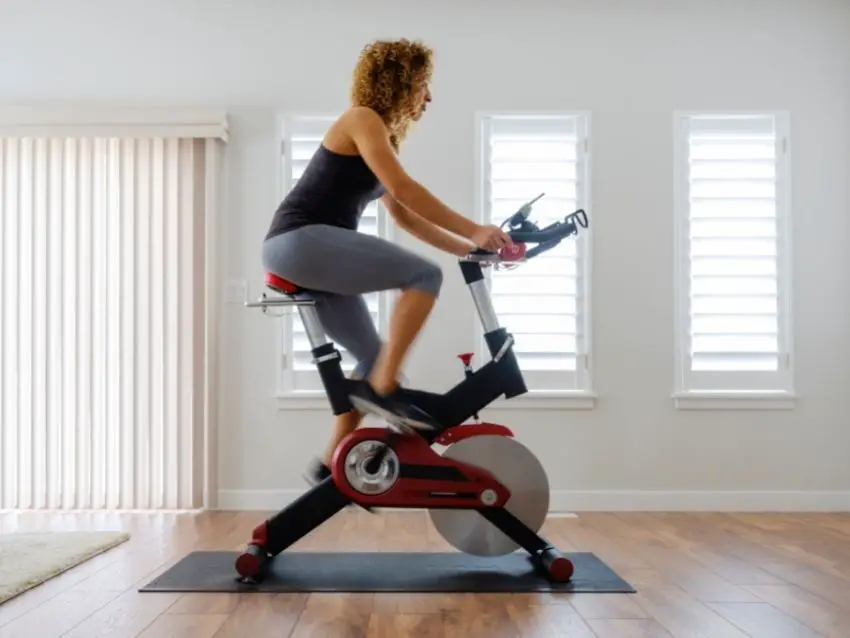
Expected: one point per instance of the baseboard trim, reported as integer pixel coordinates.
(567, 501)
(698, 501)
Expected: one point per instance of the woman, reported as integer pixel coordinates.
(314, 243)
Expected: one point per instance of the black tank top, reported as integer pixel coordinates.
(334, 190)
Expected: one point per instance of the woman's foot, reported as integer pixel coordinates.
(393, 407)
(318, 472)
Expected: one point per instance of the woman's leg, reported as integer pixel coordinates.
(408, 318)
(344, 425)
(346, 321)
(348, 263)
(379, 396)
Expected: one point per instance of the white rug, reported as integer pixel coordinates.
(29, 559)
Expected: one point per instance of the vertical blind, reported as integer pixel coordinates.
(302, 136)
(734, 211)
(102, 320)
(542, 302)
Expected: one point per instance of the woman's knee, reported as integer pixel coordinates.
(428, 277)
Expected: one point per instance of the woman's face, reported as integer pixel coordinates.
(420, 100)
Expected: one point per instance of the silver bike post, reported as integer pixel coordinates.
(484, 305)
(480, 294)
(312, 326)
(306, 310)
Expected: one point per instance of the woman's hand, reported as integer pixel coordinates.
(490, 238)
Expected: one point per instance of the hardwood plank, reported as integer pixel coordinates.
(811, 610)
(695, 541)
(343, 615)
(547, 620)
(680, 613)
(827, 586)
(124, 617)
(618, 555)
(263, 614)
(205, 604)
(57, 615)
(661, 548)
(395, 625)
(777, 547)
(628, 628)
(762, 619)
(711, 575)
(700, 582)
(730, 538)
(477, 618)
(610, 606)
(184, 626)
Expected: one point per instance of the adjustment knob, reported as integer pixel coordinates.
(514, 252)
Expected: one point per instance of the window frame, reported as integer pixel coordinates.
(779, 396)
(288, 397)
(584, 397)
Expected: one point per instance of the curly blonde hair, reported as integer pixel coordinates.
(387, 75)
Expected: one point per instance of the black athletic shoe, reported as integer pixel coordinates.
(391, 407)
(317, 472)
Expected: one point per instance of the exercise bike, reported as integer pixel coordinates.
(486, 494)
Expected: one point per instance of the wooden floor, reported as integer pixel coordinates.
(706, 575)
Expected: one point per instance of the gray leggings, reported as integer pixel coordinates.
(338, 266)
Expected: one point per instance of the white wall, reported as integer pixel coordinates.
(632, 63)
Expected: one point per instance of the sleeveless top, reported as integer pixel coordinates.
(334, 190)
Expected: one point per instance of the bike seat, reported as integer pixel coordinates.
(281, 285)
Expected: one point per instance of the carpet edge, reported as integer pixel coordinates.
(120, 537)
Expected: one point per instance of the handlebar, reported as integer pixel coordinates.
(524, 232)
(558, 230)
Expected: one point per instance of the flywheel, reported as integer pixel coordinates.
(517, 469)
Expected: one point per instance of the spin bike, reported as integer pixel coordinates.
(486, 494)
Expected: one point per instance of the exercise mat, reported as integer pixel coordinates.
(415, 572)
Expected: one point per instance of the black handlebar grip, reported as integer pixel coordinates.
(541, 236)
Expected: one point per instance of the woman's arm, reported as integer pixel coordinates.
(422, 229)
(371, 137)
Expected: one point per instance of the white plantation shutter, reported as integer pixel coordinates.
(732, 219)
(302, 136)
(543, 302)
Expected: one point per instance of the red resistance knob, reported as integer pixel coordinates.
(466, 358)
(515, 252)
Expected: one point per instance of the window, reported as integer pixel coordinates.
(544, 303)
(733, 305)
(302, 136)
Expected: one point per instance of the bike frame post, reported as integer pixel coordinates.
(326, 357)
(473, 275)
(499, 341)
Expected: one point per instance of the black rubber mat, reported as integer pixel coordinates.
(386, 572)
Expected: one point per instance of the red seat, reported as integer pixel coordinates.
(281, 285)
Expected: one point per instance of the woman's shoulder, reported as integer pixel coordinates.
(356, 123)
(361, 116)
